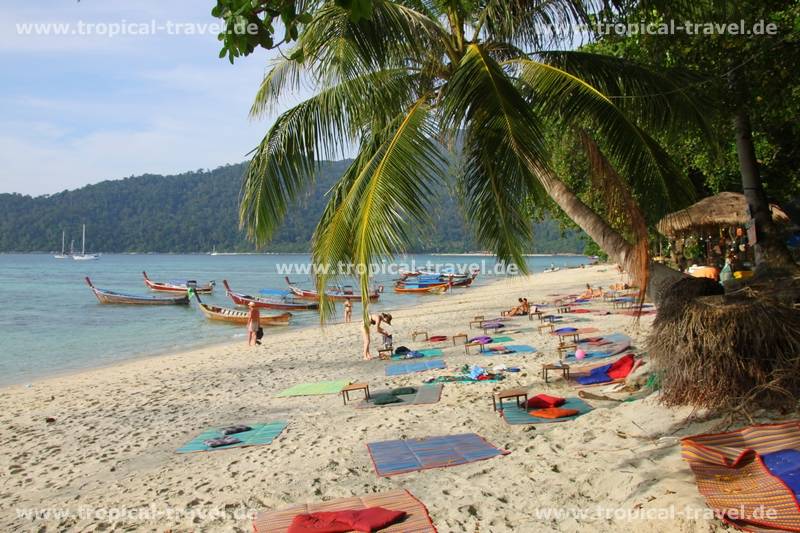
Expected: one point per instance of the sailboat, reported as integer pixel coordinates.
(62, 255)
(84, 256)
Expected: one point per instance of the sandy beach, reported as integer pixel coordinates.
(108, 462)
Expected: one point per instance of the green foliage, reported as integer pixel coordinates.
(251, 24)
(198, 211)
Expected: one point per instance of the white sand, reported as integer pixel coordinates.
(112, 447)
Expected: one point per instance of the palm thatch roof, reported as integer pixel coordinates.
(724, 209)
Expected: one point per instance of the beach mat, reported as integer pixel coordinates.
(417, 519)
(516, 415)
(426, 394)
(399, 369)
(611, 344)
(259, 435)
(514, 349)
(394, 457)
(749, 476)
(429, 352)
(314, 389)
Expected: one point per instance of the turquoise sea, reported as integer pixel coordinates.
(51, 323)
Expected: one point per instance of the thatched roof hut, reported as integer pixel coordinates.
(724, 209)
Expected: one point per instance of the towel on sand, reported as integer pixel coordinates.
(369, 519)
(619, 369)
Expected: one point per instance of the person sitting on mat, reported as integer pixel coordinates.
(517, 310)
(377, 321)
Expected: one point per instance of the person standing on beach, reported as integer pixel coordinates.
(377, 321)
(348, 311)
(253, 323)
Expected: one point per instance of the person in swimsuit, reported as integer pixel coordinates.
(377, 321)
(348, 311)
(253, 323)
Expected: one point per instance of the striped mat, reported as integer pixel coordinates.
(259, 435)
(732, 471)
(409, 368)
(417, 519)
(315, 389)
(516, 415)
(611, 344)
(394, 457)
(512, 348)
(426, 394)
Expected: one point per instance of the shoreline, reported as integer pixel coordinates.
(114, 431)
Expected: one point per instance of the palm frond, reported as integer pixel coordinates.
(284, 76)
(504, 151)
(324, 126)
(380, 196)
(571, 101)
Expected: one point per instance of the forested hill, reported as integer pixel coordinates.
(197, 211)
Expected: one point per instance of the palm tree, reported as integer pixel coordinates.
(423, 77)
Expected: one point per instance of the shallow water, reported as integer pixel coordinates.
(51, 323)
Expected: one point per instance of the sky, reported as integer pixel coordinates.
(84, 106)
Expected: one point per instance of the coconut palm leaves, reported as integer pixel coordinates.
(468, 73)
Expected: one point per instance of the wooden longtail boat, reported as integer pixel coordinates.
(177, 285)
(336, 295)
(111, 297)
(425, 278)
(425, 289)
(288, 304)
(235, 316)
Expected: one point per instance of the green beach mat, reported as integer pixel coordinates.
(516, 415)
(315, 389)
(498, 340)
(429, 352)
(259, 435)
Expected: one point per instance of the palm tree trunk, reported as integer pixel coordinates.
(769, 249)
(606, 237)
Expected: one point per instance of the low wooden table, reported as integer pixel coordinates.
(476, 320)
(564, 309)
(549, 326)
(355, 387)
(576, 336)
(420, 333)
(537, 314)
(564, 348)
(460, 337)
(385, 353)
(563, 368)
(468, 345)
(517, 393)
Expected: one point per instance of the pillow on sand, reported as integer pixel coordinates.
(554, 412)
(385, 399)
(543, 401)
(402, 391)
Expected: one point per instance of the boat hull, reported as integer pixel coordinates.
(307, 294)
(208, 288)
(430, 289)
(235, 316)
(263, 303)
(112, 297)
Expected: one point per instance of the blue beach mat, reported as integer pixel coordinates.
(409, 368)
(259, 435)
(394, 457)
(428, 352)
(514, 349)
(515, 415)
(618, 343)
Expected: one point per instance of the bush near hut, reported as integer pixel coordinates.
(739, 352)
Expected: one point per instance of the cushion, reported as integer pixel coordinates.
(438, 338)
(554, 412)
(385, 399)
(543, 401)
(621, 367)
(403, 391)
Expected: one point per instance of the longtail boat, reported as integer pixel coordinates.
(422, 278)
(333, 294)
(111, 297)
(285, 303)
(412, 288)
(235, 316)
(180, 285)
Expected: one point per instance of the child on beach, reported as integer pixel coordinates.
(348, 311)
(253, 324)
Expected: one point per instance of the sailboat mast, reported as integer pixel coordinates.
(63, 240)
(83, 244)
